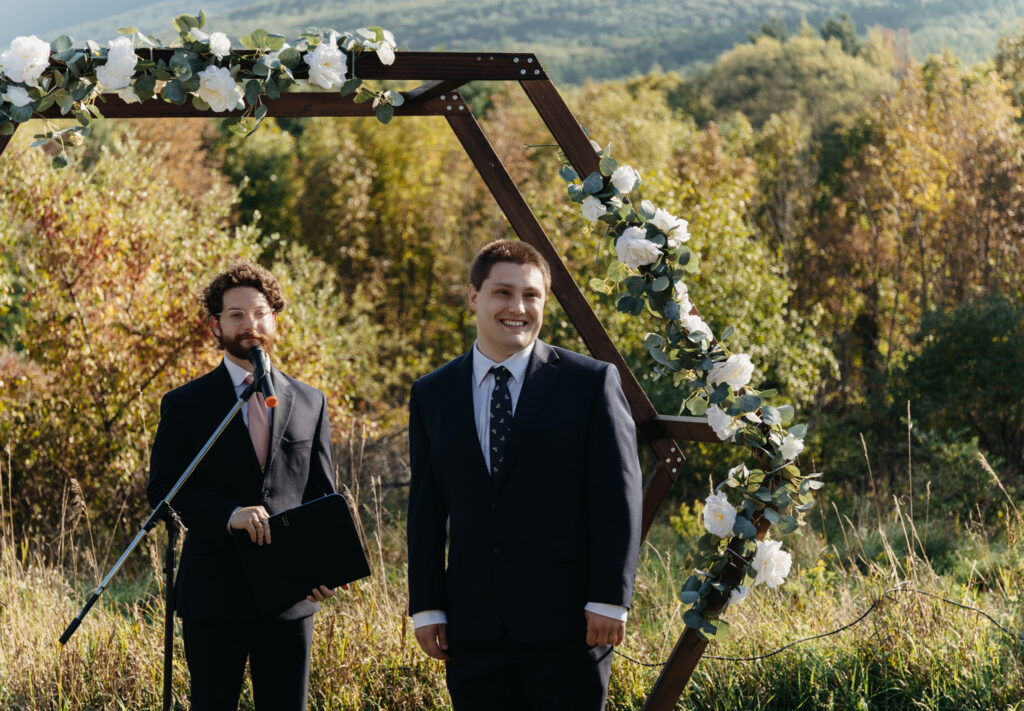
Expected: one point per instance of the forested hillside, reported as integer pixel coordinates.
(602, 39)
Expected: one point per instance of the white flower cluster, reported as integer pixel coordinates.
(28, 58)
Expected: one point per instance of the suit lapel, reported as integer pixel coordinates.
(464, 425)
(236, 437)
(540, 378)
(282, 413)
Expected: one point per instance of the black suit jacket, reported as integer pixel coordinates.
(211, 582)
(558, 526)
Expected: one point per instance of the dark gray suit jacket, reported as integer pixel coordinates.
(211, 582)
(557, 527)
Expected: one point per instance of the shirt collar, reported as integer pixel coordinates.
(516, 364)
(237, 372)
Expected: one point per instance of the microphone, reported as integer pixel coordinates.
(261, 374)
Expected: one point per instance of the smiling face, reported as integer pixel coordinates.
(509, 307)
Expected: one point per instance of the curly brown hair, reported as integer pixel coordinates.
(242, 274)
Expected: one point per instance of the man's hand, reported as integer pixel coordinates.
(323, 592)
(603, 630)
(433, 639)
(255, 520)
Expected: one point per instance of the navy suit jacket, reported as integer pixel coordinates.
(558, 525)
(211, 583)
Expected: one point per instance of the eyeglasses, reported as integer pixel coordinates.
(236, 317)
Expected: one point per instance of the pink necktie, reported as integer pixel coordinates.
(259, 424)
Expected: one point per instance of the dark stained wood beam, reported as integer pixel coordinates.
(689, 429)
(432, 90)
(291, 104)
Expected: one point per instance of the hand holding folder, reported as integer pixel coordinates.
(313, 544)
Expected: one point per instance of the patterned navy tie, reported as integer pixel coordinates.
(501, 416)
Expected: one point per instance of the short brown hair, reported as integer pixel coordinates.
(506, 250)
(242, 274)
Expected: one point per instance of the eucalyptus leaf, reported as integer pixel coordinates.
(786, 412)
(576, 193)
(608, 165)
(671, 311)
(693, 619)
(636, 285)
(568, 174)
(290, 57)
(771, 514)
(798, 431)
(770, 416)
(654, 340)
(127, 30)
(746, 403)
(62, 44)
(173, 92)
(787, 524)
(199, 104)
(726, 333)
(660, 284)
(744, 527)
(593, 183)
(697, 406)
(688, 597)
(658, 355)
(385, 112)
(60, 160)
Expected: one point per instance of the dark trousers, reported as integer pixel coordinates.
(504, 675)
(278, 653)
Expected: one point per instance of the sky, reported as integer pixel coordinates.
(41, 18)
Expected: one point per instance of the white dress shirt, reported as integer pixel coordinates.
(483, 386)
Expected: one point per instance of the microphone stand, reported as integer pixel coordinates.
(163, 511)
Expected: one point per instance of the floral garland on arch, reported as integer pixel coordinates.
(653, 261)
(202, 67)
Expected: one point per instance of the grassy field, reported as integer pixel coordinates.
(913, 651)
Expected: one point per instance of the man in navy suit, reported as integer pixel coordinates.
(524, 506)
(266, 461)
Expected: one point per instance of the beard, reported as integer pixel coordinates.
(234, 344)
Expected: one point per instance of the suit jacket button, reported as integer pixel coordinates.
(497, 551)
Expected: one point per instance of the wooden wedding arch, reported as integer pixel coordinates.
(442, 74)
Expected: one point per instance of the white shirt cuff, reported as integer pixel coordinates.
(228, 526)
(616, 612)
(429, 617)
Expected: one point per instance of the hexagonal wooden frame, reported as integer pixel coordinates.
(442, 73)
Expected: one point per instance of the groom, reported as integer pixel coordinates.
(524, 507)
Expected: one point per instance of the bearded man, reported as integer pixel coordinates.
(266, 461)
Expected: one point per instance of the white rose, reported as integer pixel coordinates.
(117, 73)
(386, 49)
(634, 249)
(663, 219)
(327, 64)
(738, 594)
(593, 208)
(17, 96)
(218, 88)
(220, 45)
(771, 563)
(679, 234)
(723, 425)
(719, 515)
(791, 447)
(26, 60)
(625, 179)
(695, 324)
(682, 297)
(735, 371)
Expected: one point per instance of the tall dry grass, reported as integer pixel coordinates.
(911, 652)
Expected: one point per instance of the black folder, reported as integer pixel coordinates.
(313, 544)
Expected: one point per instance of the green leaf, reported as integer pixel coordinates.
(726, 333)
(723, 630)
(660, 284)
(202, 18)
(184, 23)
(60, 160)
(625, 303)
(688, 597)
(744, 527)
(693, 619)
(362, 97)
(568, 174)
(771, 514)
(697, 406)
(350, 86)
(671, 311)
(46, 102)
(692, 265)
(199, 104)
(94, 110)
(798, 431)
(593, 183)
(786, 413)
(608, 165)
(173, 92)
(787, 524)
(83, 117)
(62, 44)
(64, 100)
(636, 285)
(20, 114)
(261, 112)
(770, 416)
(253, 89)
(248, 42)
(576, 193)
(658, 355)
(271, 88)
(275, 41)
(127, 30)
(746, 403)
(385, 112)
(600, 285)
(654, 340)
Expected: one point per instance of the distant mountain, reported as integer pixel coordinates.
(600, 39)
